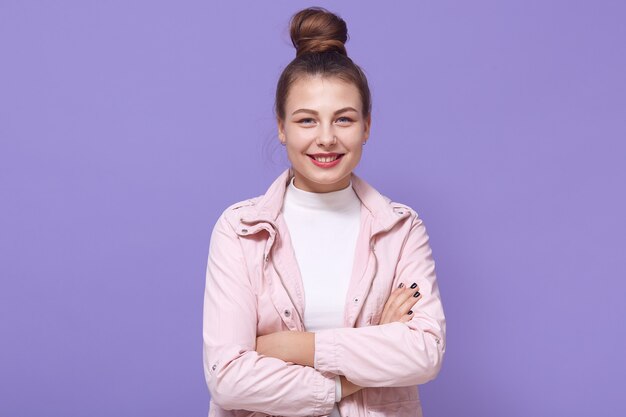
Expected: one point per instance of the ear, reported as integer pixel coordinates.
(368, 125)
(281, 129)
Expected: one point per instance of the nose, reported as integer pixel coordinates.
(327, 136)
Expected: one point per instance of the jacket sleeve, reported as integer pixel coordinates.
(397, 353)
(237, 376)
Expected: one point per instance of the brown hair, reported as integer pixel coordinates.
(319, 37)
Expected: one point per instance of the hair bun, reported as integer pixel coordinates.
(315, 30)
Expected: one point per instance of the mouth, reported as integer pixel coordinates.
(325, 157)
(326, 160)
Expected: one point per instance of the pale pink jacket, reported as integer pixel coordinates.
(253, 288)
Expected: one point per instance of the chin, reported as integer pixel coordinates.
(327, 179)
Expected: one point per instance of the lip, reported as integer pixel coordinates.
(326, 164)
(324, 154)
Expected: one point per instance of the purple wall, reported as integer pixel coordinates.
(126, 127)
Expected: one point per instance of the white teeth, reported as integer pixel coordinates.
(325, 158)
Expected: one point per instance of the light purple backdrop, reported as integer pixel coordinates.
(126, 127)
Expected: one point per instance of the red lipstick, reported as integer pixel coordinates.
(327, 155)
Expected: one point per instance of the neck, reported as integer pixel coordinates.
(331, 200)
(302, 183)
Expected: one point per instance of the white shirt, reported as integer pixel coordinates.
(323, 228)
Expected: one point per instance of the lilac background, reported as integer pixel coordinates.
(126, 127)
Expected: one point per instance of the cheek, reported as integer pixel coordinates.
(299, 139)
(357, 153)
(356, 144)
(295, 151)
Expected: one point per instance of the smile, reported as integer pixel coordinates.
(326, 160)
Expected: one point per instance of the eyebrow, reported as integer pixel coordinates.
(316, 113)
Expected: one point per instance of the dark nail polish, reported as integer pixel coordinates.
(410, 312)
(417, 294)
(414, 285)
(401, 285)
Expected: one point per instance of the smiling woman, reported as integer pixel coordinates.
(301, 316)
(325, 128)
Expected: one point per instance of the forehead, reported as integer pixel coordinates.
(320, 92)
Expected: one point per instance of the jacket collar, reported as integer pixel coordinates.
(269, 205)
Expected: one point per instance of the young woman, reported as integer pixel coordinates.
(321, 296)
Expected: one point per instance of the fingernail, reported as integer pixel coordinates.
(401, 285)
(414, 285)
(410, 312)
(417, 294)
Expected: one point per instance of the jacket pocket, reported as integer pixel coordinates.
(410, 408)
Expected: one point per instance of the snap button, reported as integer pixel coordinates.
(214, 367)
(400, 212)
(267, 258)
(287, 313)
(244, 230)
(356, 300)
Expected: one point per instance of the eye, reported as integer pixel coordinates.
(306, 121)
(344, 120)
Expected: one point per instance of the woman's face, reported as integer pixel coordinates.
(323, 122)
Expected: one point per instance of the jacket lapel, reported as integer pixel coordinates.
(377, 216)
(287, 290)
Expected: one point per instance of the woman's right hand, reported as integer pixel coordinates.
(347, 387)
(399, 304)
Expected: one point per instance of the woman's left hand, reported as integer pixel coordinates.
(400, 303)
